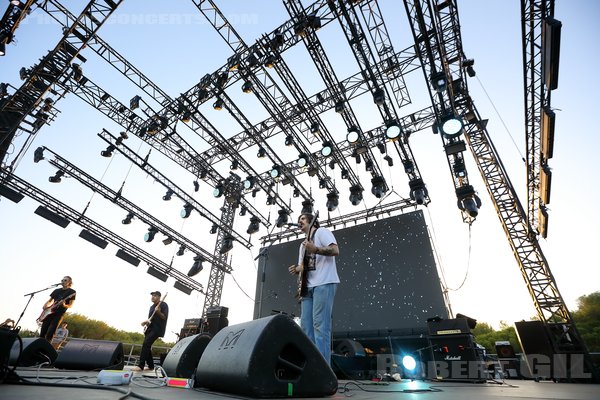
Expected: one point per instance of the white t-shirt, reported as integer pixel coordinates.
(321, 269)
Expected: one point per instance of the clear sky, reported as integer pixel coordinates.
(173, 44)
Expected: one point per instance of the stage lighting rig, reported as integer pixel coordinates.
(439, 81)
(379, 187)
(108, 152)
(283, 218)
(181, 250)
(254, 225)
(392, 130)
(168, 195)
(56, 178)
(38, 154)
(226, 245)
(149, 236)
(355, 195)
(186, 210)
(127, 219)
(451, 125)
(468, 201)
(333, 200)
(307, 207)
(418, 191)
(196, 266)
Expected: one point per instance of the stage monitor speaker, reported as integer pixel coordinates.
(35, 351)
(183, 358)
(88, 355)
(456, 358)
(267, 357)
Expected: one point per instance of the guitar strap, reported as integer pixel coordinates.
(308, 257)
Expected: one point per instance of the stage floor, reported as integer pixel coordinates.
(75, 385)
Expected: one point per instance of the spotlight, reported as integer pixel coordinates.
(289, 140)
(369, 164)
(468, 201)
(23, 72)
(226, 245)
(181, 250)
(218, 104)
(307, 207)
(2, 49)
(57, 177)
(186, 210)
(355, 195)
(247, 87)
(468, 65)
(203, 174)
(296, 192)
(379, 187)
(439, 81)
(261, 153)
(327, 149)
(390, 160)
(254, 225)
(234, 165)
(127, 219)
(134, 102)
(339, 107)
(409, 166)
(77, 72)
(344, 173)
(353, 135)
(392, 131)
(451, 125)
(409, 363)
(3, 89)
(248, 183)
(196, 266)
(38, 154)
(186, 117)
(379, 97)
(322, 183)
(275, 171)
(314, 128)
(302, 160)
(270, 61)
(418, 191)
(167, 241)
(233, 63)
(459, 168)
(333, 200)
(381, 147)
(270, 200)
(219, 190)
(108, 152)
(282, 219)
(149, 236)
(243, 210)
(196, 186)
(332, 164)
(168, 195)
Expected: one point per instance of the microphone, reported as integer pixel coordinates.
(292, 225)
(57, 284)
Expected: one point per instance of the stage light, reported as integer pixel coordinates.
(38, 154)
(468, 201)
(355, 195)
(203, 174)
(243, 210)
(196, 186)
(332, 164)
(3, 89)
(275, 171)
(468, 65)
(186, 117)
(379, 97)
(390, 160)
(270, 61)
(247, 87)
(254, 225)
(233, 63)
(134, 102)
(196, 266)
(234, 165)
(2, 49)
(369, 165)
(344, 173)
(218, 104)
(352, 136)
(339, 107)
(248, 182)
(167, 241)
(307, 207)
(186, 210)
(252, 60)
(327, 149)
(270, 200)
(439, 81)
(459, 168)
(409, 166)
(108, 152)
(226, 245)
(296, 192)
(289, 140)
(302, 160)
(381, 147)
(451, 125)
(57, 177)
(418, 191)
(181, 250)
(261, 153)
(219, 190)
(283, 218)
(77, 72)
(333, 200)
(356, 156)
(392, 131)
(314, 128)
(127, 219)
(168, 195)
(409, 363)
(149, 236)
(378, 186)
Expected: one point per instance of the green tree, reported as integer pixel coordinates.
(587, 320)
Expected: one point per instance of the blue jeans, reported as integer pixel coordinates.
(317, 307)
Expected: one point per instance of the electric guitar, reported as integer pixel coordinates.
(154, 312)
(53, 308)
(303, 275)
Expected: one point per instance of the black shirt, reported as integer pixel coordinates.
(59, 294)
(158, 324)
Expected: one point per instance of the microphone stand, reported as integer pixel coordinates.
(29, 301)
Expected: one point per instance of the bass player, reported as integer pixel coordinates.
(316, 261)
(155, 326)
(61, 299)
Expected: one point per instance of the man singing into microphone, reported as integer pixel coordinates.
(319, 250)
(55, 308)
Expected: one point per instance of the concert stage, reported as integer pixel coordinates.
(49, 383)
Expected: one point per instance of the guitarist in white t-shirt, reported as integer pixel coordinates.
(61, 299)
(317, 262)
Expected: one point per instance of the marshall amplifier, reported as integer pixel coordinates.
(449, 326)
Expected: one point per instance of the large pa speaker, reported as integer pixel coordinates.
(88, 355)
(456, 358)
(35, 351)
(267, 357)
(183, 358)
